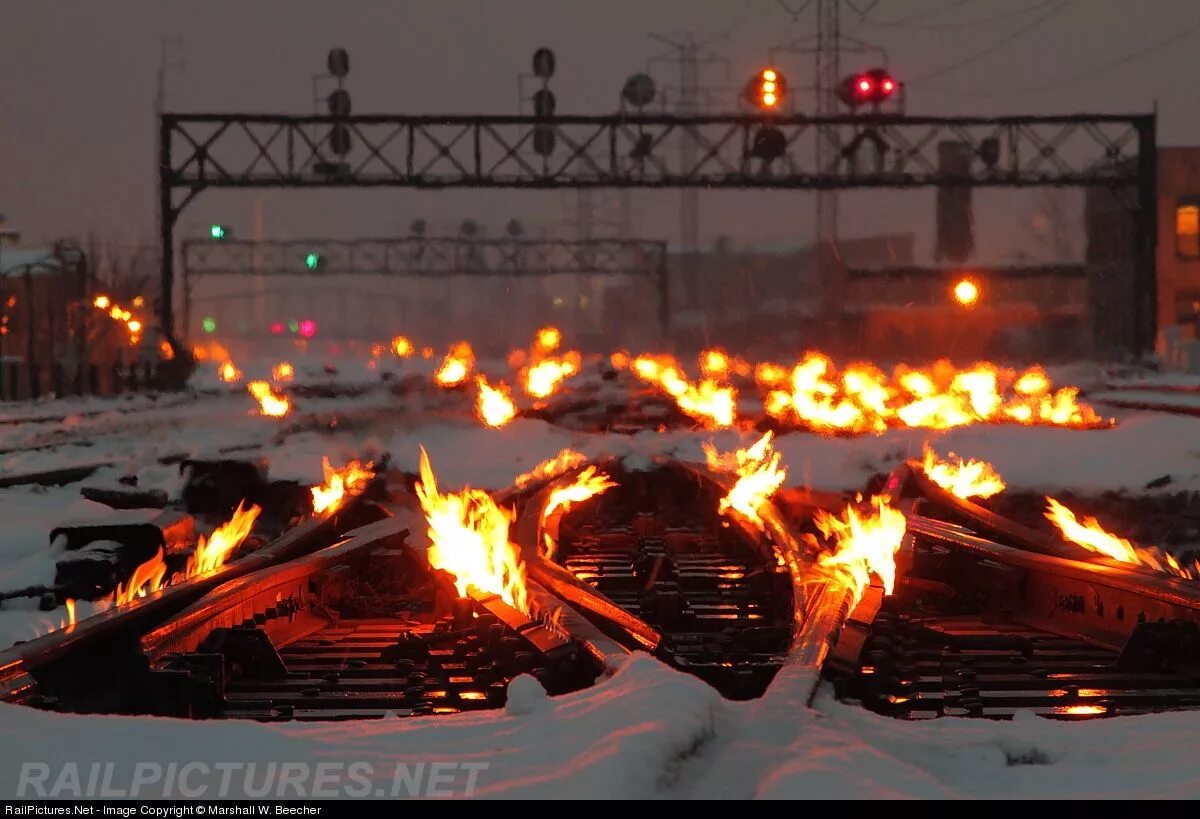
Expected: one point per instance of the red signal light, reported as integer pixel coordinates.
(864, 86)
(888, 85)
(873, 86)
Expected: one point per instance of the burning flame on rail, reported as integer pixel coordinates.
(865, 544)
(759, 477)
(228, 373)
(862, 398)
(456, 366)
(494, 406)
(283, 371)
(963, 479)
(718, 364)
(545, 372)
(402, 347)
(351, 478)
(212, 552)
(551, 468)
(708, 402)
(587, 484)
(146, 579)
(270, 403)
(1089, 534)
(468, 537)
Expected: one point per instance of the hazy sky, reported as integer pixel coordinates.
(77, 81)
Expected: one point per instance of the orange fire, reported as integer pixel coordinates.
(283, 371)
(863, 399)
(468, 537)
(711, 404)
(620, 360)
(402, 347)
(494, 405)
(551, 468)
(716, 363)
(543, 378)
(212, 552)
(963, 479)
(865, 544)
(456, 366)
(327, 498)
(548, 339)
(228, 373)
(759, 477)
(1092, 536)
(587, 484)
(270, 403)
(146, 579)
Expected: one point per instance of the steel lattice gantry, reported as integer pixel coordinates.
(421, 256)
(199, 151)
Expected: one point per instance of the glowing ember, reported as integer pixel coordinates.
(863, 399)
(708, 402)
(402, 347)
(228, 373)
(328, 497)
(759, 477)
(865, 544)
(1092, 536)
(494, 405)
(551, 468)
(283, 371)
(963, 479)
(620, 360)
(146, 579)
(270, 403)
(212, 552)
(456, 366)
(468, 535)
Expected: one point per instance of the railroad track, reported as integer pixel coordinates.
(988, 617)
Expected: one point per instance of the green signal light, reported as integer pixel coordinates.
(218, 231)
(209, 324)
(293, 326)
(312, 261)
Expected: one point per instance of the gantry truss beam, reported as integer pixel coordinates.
(429, 257)
(201, 151)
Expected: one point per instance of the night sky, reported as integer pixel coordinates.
(77, 80)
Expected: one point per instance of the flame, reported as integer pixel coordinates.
(551, 467)
(70, 604)
(270, 403)
(228, 373)
(863, 399)
(102, 302)
(718, 364)
(146, 579)
(456, 366)
(494, 405)
(117, 313)
(587, 484)
(548, 339)
(711, 404)
(966, 292)
(759, 477)
(865, 544)
(327, 498)
(212, 552)
(468, 535)
(620, 360)
(402, 347)
(543, 378)
(1092, 536)
(283, 371)
(963, 479)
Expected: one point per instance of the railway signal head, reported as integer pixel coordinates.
(874, 86)
(766, 90)
(218, 232)
(313, 261)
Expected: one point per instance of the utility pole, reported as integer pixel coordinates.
(828, 75)
(171, 58)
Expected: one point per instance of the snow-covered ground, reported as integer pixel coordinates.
(648, 731)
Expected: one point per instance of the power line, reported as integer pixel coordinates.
(977, 21)
(1089, 73)
(994, 47)
(921, 15)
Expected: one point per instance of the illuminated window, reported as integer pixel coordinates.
(1187, 231)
